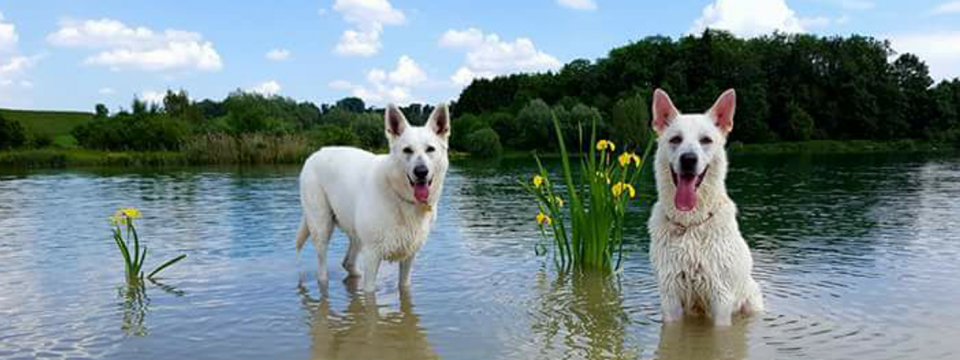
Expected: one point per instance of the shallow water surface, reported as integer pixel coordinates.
(857, 256)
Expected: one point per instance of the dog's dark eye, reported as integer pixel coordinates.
(408, 150)
(706, 140)
(431, 149)
(676, 140)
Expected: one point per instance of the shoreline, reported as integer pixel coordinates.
(62, 158)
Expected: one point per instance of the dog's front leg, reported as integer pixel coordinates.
(371, 264)
(671, 307)
(721, 309)
(406, 267)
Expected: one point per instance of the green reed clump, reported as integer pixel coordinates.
(589, 232)
(134, 261)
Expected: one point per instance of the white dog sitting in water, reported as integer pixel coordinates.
(384, 203)
(702, 263)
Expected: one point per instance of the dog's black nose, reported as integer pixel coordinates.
(421, 172)
(688, 163)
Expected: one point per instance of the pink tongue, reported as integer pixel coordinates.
(421, 192)
(686, 197)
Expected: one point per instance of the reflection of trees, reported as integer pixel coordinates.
(361, 331)
(699, 339)
(580, 315)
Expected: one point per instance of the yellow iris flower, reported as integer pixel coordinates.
(620, 187)
(606, 144)
(626, 158)
(543, 219)
(537, 181)
(123, 216)
(559, 201)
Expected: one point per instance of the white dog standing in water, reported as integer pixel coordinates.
(702, 263)
(384, 203)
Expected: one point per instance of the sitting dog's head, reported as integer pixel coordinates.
(691, 147)
(418, 154)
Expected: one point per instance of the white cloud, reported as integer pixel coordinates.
(748, 17)
(368, 17)
(15, 68)
(857, 4)
(395, 86)
(940, 50)
(278, 54)
(578, 4)
(269, 88)
(152, 97)
(823, 21)
(950, 7)
(359, 43)
(488, 56)
(8, 35)
(106, 91)
(138, 47)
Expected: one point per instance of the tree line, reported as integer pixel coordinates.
(791, 87)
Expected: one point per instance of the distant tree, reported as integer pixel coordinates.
(353, 104)
(535, 125)
(800, 125)
(630, 121)
(484, 143)
(11, 133)
(101, 111)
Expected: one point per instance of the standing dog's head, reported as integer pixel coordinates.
(418, 154)
(690, 148)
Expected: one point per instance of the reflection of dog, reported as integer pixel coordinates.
(362, 332)
(702, 263)
(693, 340)
(384, 203)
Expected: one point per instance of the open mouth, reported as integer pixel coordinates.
(421, 189)
(687, 184)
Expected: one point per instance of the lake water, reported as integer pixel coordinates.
(859, 258)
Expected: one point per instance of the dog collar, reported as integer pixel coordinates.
(681, 229)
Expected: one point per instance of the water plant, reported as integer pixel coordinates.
(589, 232)
(134, 261)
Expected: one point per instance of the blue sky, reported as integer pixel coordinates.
(72, 54)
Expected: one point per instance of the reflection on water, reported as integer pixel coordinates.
(696, 339)
(579, 315)
(364, 330)
(857, 256)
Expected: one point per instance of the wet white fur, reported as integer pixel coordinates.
(370, 198)
(708, 266)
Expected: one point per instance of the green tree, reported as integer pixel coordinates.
(630, 121)
(484, 143)
(11, 133)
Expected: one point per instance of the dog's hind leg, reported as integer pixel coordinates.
(320, 221)
(350, 259)
(406, 266)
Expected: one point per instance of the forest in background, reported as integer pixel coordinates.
(790, 87)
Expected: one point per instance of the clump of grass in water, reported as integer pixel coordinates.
(133, 262)
(598, 200)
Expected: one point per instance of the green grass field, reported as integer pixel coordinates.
(54, 124)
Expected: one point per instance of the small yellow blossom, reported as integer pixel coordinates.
(558, 200)
(543, 219)
(123, 216)
(131, 213)
(620, 187)
(606, 144)
(537, 181)
(626, 158)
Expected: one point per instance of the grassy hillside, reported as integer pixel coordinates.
(54, 124)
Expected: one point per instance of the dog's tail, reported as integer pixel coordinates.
(302, 234)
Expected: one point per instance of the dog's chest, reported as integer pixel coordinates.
(404, 238)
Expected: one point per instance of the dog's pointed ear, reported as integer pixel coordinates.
(439, 121)
(394, 122)
(663, 111)
(722, 111)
